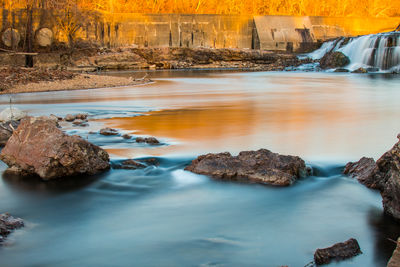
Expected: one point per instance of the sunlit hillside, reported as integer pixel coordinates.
(337, 8)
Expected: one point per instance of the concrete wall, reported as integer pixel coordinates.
(219, 31)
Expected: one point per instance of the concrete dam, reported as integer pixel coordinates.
(283, 33)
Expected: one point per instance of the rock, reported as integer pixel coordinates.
(127, 136)
(130, 164)
(147, 140)
(70, 117)
(8, 224)
(55, 117)
(341, 70)
(79, 122)
(364, 170)
(6, 130)
(108, 131)
(395, 259)
(384, 176)
(151, 161)
(360, 70)
(81, 116)
(334, 60)
(262, 166)
(38, 147)
(12, 114)
(339, 251)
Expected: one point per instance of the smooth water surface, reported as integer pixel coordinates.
(165, 216)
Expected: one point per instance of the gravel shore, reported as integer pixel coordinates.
(79, 81)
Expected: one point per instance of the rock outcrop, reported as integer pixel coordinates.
(262, 166)
(333, 60)
(364, 170)
(383, 175)
(38, 147)
(395, 259)
(337, 252)
(8, 224)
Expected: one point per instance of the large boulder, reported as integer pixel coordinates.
(262, 166)
(38, 147)
(337, 252)
(383, 175)
(11, 114)
(333, 60)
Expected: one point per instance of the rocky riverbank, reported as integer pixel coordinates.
(96, 59)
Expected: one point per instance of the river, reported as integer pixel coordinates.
(165, 216)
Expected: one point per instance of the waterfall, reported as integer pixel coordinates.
(380, 51)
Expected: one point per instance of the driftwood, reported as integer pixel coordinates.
(19, 53)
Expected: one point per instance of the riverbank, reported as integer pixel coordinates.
(95, 59)
(24, 80)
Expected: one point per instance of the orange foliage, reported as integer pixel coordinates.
(335, 8)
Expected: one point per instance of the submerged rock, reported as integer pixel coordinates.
(6, 130)
(262, 166)
(341, 70)
(130, 164)
(334, 60)
(12, 114)
(147, 140)
(127, 136)
(383, 175)
(395, 259)
(360, 70)
(79, 122)
(38, 147)
(108, 131)
(339, 251)
(8, 224)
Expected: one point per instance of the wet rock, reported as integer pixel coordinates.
(55, 117)
(337, 252)
(108, 131)
(127, 136)
(372, 69)
(6, 130)
(360, 70)
(130, 164)
(334, 60)
(79, 122)
(12, 114)
(81, 116)
(8, 224)
(38, 147)
(364, 170)
(262, 166)
(395, 259)
(69, 117)
(341, 70)
(147, 140)
(385, 177)
(151, 161)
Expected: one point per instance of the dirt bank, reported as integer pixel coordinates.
(22, 80)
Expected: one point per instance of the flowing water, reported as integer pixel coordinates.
(378, 51)
(165, 216)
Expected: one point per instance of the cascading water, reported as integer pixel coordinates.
(379, 51)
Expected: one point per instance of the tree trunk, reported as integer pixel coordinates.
(29, 37)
